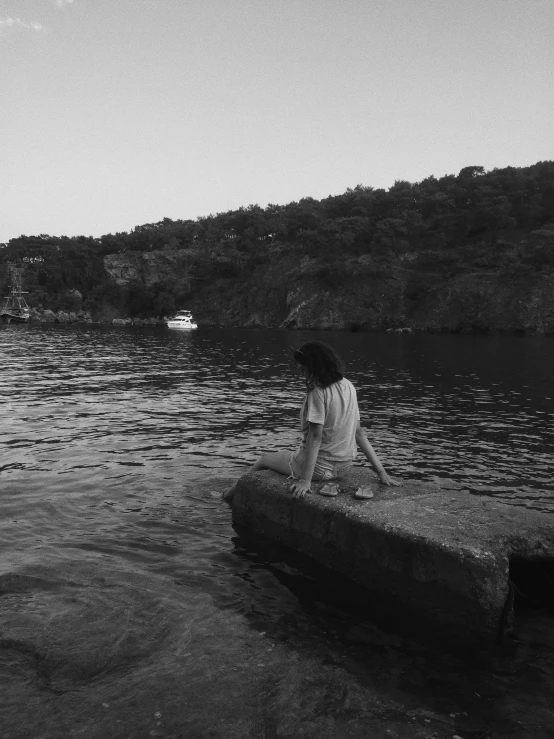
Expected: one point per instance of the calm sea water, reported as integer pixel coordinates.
(129, 605)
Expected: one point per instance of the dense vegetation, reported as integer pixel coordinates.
(501, 221)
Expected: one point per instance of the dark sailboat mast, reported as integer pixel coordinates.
(15, 306)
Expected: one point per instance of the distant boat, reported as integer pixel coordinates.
(15, 308)
(182, 319)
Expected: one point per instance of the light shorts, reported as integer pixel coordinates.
(324, 469)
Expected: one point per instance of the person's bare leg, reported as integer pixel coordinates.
(276, 461)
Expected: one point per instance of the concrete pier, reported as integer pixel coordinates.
(439, 555)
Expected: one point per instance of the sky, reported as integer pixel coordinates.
(117, 113)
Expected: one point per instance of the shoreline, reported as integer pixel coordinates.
(66, 318)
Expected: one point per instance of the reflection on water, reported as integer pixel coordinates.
(125, 592)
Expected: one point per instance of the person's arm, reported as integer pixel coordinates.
(363, 442)
(299, 488)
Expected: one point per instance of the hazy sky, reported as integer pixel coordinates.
(115, 113)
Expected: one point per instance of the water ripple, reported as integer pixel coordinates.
(120, 568)
(80, 399)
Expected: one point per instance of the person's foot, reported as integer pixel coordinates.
(363, 493)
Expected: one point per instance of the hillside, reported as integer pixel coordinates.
(471, 252)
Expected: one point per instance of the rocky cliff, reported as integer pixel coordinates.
(168, 267)
(286, 288)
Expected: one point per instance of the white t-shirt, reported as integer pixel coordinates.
(335, 407)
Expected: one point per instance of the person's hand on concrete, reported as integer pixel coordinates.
(388, 480)
(299, 488)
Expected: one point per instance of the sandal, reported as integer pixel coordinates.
(363, 493)
(330, 490)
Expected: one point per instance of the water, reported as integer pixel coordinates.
(131, 608)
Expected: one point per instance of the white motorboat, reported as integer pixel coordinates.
(182, 319)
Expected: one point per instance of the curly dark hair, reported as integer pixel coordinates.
(321, 362)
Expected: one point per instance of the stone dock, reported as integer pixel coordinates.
(437, 556)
